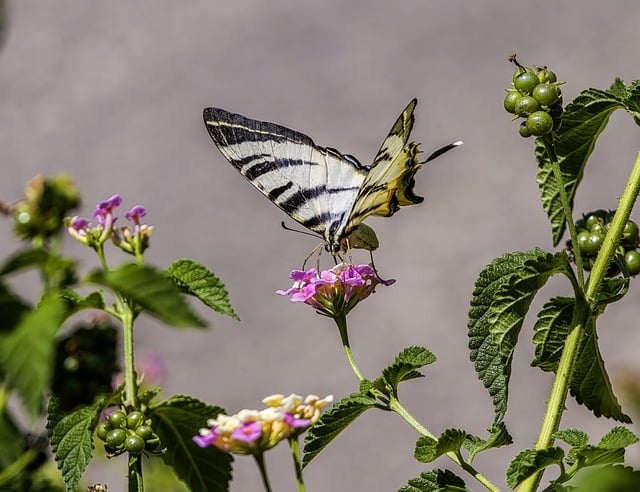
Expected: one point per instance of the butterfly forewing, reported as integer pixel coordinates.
(316, 186)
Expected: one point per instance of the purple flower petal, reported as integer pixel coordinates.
(247, 432)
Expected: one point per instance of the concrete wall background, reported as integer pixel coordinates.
(113, 93)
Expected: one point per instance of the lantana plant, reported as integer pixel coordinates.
(65, 375)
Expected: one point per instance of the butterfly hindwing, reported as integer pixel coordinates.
(316, 186)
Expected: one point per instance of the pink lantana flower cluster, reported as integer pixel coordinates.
(131, 240)
(255, 431)
(334, 292)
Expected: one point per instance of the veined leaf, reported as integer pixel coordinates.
(618, 437)
(196, 280)
(176, 421)
(27, 352)
(582, 122)
(573, 437)
(71, 438)
(501, 298)
(404, 368)
(333, 422)
(590, 384)
(150, 290)
(499, 436)
(529, 461)
(551, 330)
(435, 481)
(428, 449)
(76, 303)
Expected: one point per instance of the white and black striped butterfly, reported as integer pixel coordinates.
(326, 191)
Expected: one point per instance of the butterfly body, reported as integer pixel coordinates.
(326, 191)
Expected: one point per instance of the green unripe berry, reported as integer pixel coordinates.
(144, 431)
(523, 130)
(547, 76)
(526, 82)
(632, 259)
(117, 419)
(546, 94)
(510, 101)
(115, 437)
(539, 123)
(581, 239)
(592, 244)
(102, 429)
(134, 444)
(526, 105)
(134, 419)
(630, 234)
(595, 217)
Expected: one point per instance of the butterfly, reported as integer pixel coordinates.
(326, 191)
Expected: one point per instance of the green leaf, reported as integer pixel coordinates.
(193, 278)
(435, 481)
(573, 437)
(551, 330)
(618, 437)
(590, 384)
(499, 436)
(582, 122)
(529, 461)
(609, 478)
(404, 368)
(27, 352)
(11, 439)
(76, 303)
(12, 309)
(71, 438)
(333, 422)
(501, 298)
(428, 449)
(23, 259)
(150, 290)
(176, 422)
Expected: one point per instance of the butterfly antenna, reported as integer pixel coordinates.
(304, 264)
(375, 270)
(287, 228)
(442, 150)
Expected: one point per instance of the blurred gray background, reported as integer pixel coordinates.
(113, 92)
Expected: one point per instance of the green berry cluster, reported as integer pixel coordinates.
(591, 230)
(536, 96)
(128, 432)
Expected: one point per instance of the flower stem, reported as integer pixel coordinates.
(297, 464)
(582, 314)
(341, 321)
(136, 482)
(130, 382)
(263, 471)
(456, 457)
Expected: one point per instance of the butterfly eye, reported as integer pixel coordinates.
(335, 248)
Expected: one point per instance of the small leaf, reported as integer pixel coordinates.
(71, 438)
(594, 456)
(499, 436)
(435, 481)
(529, 461)
(27, 352)
(590, 384)
(551, 330)
(572, 437)
(333, 422)
(618, 437)
(404, 368)
(428, 449)
(177, 421)
(150, 290)
(196, 280)
(76, 303)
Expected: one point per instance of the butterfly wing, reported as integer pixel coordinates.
(315, 186)
(390, 180)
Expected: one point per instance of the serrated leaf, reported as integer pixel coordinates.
(499, 436)
(496, 315)
(573, 437)
(404, 368)
(582, 122)
(177, 421)
(428, 449)
(151, 290)
(333, 422)
(594, 455)
(27, 352)
(196, 280)
(551, 330)
(76, 303)
(71, 438)
(529, 461)
(590, 384)
(618, 437)
(435, 481)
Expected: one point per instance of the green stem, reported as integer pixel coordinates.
(397, 407)
(136, 482)
(341, 321)
(263, 471)
(9, 474)
(582, 314)
(297, 463)
(130, 381)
